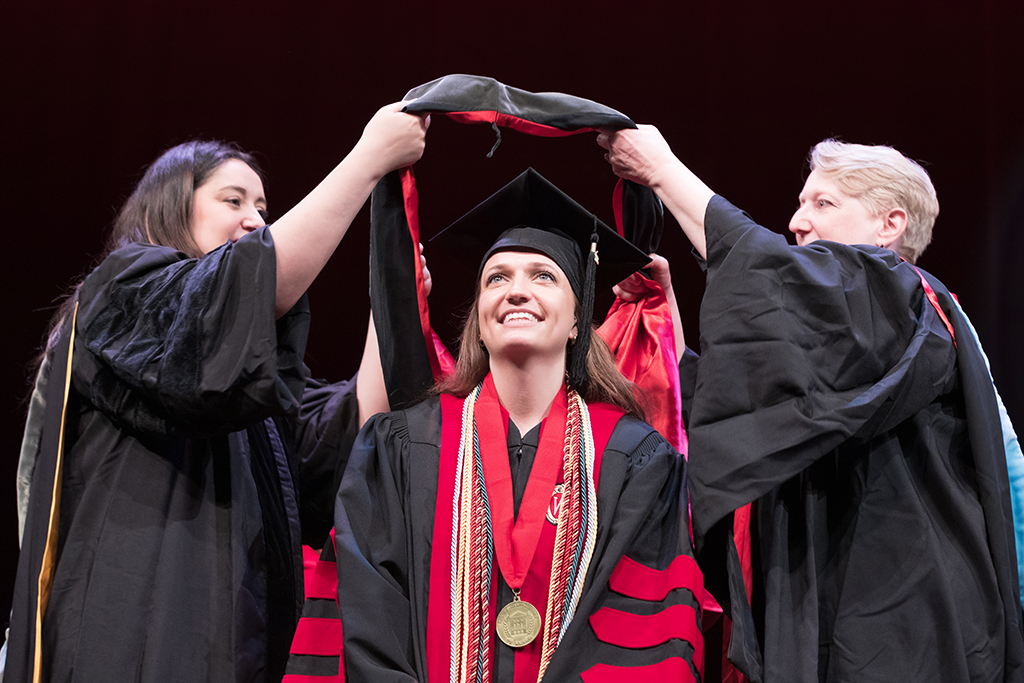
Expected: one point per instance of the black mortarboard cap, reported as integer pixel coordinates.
(531, 214)
(531, 200)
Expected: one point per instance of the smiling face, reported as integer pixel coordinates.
(526, 306)
(828, 213)
(228, 205)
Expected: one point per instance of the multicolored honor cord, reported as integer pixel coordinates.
(484, 526)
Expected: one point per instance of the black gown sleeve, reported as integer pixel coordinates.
(372, 539)
(324, 431)
(802, 349)
(687, 382)
(171, 345)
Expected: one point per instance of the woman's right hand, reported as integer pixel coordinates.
(392, 140)
(643, 156)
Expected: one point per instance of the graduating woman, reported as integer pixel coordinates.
(524, 524)
(181, 440)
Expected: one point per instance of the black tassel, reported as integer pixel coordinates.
(497, 131)
(578, 376)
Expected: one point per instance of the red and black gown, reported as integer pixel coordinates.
(637, 617)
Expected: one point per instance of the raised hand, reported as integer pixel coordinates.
(391, 140)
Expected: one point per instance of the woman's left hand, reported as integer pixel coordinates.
(633, 289)
(428, 283)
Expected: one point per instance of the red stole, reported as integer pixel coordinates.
(529, 542)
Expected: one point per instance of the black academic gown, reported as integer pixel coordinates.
(385, 521)
(196, 447)
(830, 392)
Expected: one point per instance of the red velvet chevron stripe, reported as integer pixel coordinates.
(672, 670)
(636, 631)
(317, 647)
(322, 579)
(624, 629)
(635, 580)
(317, 636)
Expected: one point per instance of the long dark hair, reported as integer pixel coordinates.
(159, 210)
(607, 384)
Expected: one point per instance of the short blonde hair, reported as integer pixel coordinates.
(883, 179)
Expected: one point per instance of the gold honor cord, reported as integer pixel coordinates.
(46, 571)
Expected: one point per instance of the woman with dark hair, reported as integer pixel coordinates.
(524, 523)
(180, 453)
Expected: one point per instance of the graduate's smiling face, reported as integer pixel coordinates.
(228, 205)
(526, 306)
(828, 213)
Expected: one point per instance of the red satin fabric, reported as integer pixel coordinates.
(310, 556)
(514, 122)
(741, 536)
(441, 361)
(640, 336)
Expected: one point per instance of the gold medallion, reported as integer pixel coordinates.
(518, 623)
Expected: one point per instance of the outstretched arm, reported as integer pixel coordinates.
(370, 389)
(306, 236)
(643, 156)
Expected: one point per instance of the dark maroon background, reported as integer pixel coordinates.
(94, 91)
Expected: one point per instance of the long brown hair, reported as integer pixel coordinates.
(607, 384)
(159, 210)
